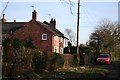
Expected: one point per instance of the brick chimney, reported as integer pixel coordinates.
(53, 23)
(34, 15)
(3, 18)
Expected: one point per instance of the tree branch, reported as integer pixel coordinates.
(4, 8)
(70, 3)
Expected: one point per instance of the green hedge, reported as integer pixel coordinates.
(73, 50)
(39, 61)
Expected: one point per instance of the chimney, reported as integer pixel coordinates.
(14, 20)
(53, 23)
(34, 15)
(3, 19)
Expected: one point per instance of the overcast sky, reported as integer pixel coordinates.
(91, 12)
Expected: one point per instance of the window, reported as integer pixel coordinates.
(44, 36)
(56, 38)
(56, 49)
(61, 50)
(61, 39)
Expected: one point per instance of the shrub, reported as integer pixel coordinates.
(66, 50)
(29, 43)
(17, 43)
(16, 61)
(39, 61)
(73, 50)
(6, 42)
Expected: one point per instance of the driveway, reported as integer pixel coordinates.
(113, 70)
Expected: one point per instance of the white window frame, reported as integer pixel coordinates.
(56, 49)
(43, 36)
(56, 38)
(61, 50)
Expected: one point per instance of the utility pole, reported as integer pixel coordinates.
(78, 23)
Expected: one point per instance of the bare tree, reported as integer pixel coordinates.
(105, 36)
(71, 35)
(70, 3)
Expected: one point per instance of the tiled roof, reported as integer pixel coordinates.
(56, 31)
(13, 26)
(8, 26)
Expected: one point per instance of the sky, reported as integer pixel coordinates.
(91, 12)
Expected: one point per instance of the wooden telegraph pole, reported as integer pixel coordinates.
(78, 23)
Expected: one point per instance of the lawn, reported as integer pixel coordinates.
(75, 73)
(82, 73)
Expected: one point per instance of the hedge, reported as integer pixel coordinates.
(73, 50)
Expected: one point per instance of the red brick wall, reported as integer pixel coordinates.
(56, 43)
(35, 30)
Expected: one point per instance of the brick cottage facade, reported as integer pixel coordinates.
(44, 35)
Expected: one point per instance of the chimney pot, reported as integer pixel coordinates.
(34, 15)
(14, 20)
(51, 19)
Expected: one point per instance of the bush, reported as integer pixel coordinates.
(17, 43)
(66, 50)
(6, 42)
(29, 43)
(39, 61)
(86, 50)
(70, 50)
(73, 50)
(16, 61)
(55, 60)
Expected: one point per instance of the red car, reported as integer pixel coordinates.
(104, 58)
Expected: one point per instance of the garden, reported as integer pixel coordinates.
(22, 61)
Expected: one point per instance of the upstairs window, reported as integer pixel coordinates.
(44, 36)
(56, 38)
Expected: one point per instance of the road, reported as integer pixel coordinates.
(113, 68)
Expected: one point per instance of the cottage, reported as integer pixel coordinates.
(44, 35)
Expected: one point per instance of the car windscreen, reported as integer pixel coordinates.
(103, 56)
